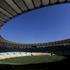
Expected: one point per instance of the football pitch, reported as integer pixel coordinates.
(25, 60)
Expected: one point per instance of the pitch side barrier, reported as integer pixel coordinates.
(58, 50)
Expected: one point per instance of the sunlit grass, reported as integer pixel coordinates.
(31, 60)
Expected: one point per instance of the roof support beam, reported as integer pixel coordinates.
(13, 5)
(5, 12)
(21, 4)
(37, 3)
(7, 8)
(45, 2)
(29, 4)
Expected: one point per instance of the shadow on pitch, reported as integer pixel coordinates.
(64, 64)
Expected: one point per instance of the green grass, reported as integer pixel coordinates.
(31, 60)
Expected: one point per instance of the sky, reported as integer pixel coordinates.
(41, 25)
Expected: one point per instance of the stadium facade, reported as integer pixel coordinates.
(11, 8)
(61, 47)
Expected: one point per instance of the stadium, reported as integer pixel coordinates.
(12, 8)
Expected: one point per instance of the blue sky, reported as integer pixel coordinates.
(41, 25)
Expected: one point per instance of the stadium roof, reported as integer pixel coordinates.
(12, 8)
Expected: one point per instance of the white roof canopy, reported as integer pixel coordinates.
(11, 8)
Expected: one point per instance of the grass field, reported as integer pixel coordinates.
(31, 60)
